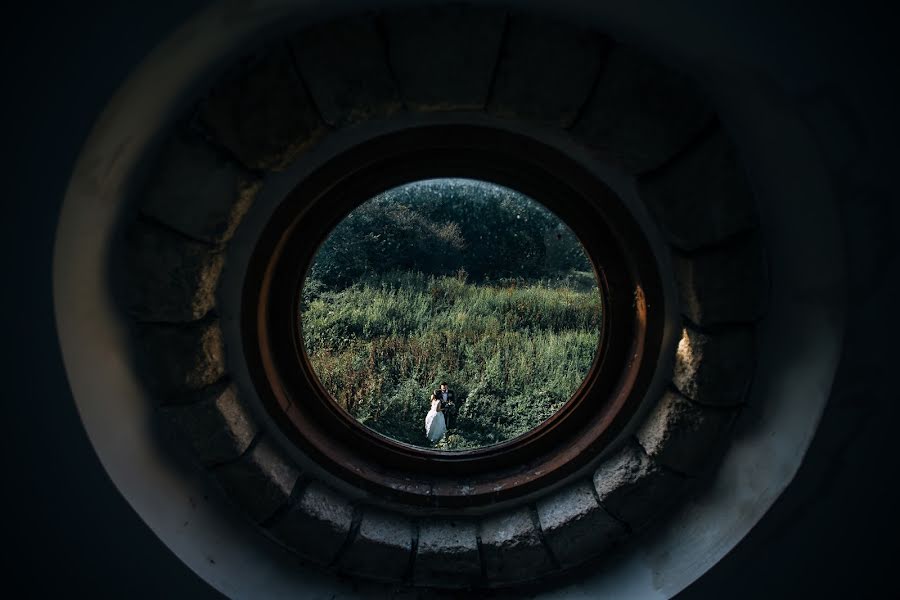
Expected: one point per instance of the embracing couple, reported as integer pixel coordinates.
(442, 414)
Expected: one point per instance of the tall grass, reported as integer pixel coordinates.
(513, 352)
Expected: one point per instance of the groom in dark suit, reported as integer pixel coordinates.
(448, 403)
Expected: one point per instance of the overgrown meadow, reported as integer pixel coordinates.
(412, 289)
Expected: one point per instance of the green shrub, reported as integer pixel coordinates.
(442, 226)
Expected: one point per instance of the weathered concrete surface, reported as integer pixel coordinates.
(512, 548)
(633, 488)
(261, 481)
(447, 554)
(683, 435)
(725, 285)
(703, 196)
(261, 112)
(575, 526)
(170, 278)
(715, 369)
(382, 547)
(77, 344)
(641, 113)
(344, 64)
(443, 57)
(546, 70)
(181, 358)
(317, 526)
(216, 425)
(195, 189)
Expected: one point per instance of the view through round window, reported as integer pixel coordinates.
(451, 314)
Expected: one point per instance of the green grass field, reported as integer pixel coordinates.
(513, 352)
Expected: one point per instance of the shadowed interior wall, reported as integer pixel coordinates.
(828, 536)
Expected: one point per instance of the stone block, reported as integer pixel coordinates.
(725, 285)
(575, 526)
(512, 548)
(633, 488)
(170, 278)
(546, 70)
(682, 435)
(444, 56)
(179, 359)
(261, 481)
(344, 64)
(447, 555)
(641, 113)
(381, 549)
(215, 424)
(715, 369)
(703, 196)
(197, 190)
(317, 526)
(262, 113)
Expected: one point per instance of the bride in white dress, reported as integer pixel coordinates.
(435, 425)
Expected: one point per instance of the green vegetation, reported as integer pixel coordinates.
(441, 226)
(513, 354)
(454, 280)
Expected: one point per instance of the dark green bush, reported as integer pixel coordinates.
(442, 226)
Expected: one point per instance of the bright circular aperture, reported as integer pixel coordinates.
(452, 281)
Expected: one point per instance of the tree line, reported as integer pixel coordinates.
(447, 226)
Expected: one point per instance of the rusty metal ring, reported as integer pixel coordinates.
(630, 339)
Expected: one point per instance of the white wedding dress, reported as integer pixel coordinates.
(435, 425)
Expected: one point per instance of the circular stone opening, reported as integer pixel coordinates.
(587, 420)
(451, 314)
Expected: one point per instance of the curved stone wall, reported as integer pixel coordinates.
(622, 108)
(797, 337)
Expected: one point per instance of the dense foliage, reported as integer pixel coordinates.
(451, 280)
(441, 226)
(514, 355)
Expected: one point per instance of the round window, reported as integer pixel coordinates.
(426, 257)
(451, 314)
